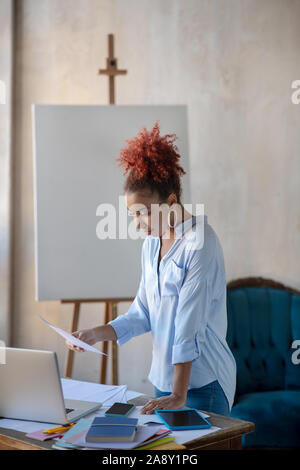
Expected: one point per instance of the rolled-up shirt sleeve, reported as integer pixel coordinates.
(136, 320)
(193, 308)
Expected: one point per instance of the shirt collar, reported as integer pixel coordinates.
(182, 227)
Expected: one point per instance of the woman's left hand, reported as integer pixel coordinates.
(165, 402)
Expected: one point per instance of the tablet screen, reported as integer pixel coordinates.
(182, 418)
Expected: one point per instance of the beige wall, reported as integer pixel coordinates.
(6, 74)
(232, 62)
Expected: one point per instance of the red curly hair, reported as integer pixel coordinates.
(152, 162)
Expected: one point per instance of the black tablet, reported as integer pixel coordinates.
(183, 418)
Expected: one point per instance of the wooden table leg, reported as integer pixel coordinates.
(70, 353)
(236, 443)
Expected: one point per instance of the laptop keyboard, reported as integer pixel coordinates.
(68, 410)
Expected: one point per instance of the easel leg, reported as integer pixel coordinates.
(104, 348)
(111, 312)
(70, 353)
(114, 348)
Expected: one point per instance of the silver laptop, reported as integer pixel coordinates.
(30, 389)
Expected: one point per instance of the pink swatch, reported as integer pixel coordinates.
(41, 436)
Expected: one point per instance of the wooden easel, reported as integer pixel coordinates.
(111, 305)
(111, 69)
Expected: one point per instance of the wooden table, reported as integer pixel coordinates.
(228, 437)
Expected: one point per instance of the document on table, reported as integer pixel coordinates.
(72, 338)
(106, 394)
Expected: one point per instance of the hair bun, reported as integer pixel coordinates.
(151, 154)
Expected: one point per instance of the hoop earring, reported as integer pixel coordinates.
(169, 224)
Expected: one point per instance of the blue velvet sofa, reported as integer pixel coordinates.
(263, 324)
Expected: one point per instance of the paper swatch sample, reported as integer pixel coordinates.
(41, 436)
(72, 339)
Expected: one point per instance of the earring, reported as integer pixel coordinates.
(170, 226)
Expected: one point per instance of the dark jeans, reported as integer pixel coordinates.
(208, 398)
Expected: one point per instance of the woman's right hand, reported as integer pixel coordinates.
(88, 336)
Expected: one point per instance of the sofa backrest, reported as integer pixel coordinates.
(263, 322)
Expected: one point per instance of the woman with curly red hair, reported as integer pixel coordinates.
(182, 293)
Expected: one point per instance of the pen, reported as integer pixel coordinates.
(58, 429)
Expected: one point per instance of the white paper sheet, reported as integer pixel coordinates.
(90, 391)
(72, 338)
(24, 426)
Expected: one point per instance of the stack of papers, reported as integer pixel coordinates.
(75, 437)
(150, 429)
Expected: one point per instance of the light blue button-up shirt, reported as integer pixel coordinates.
(182, 301)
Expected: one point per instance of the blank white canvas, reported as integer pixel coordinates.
(75, 148)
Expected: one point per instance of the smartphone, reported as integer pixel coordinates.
(185, 418)
(119, 409)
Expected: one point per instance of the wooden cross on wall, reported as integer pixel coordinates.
(111, 69)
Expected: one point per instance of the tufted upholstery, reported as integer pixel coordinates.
(263, 321)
